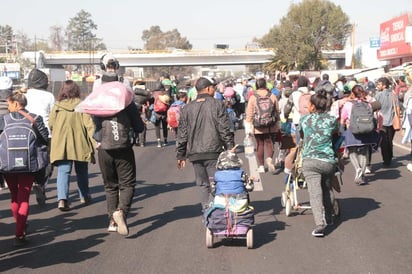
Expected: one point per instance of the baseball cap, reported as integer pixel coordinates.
(204, 82)
(5, 83)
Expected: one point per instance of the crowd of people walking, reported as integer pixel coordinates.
(204, 117)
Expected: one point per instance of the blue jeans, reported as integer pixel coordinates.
(64, 169)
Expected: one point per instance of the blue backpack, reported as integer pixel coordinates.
(20, 149)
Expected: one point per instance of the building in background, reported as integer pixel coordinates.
(395, 41)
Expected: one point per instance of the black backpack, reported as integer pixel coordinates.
(362, 120)
(115, 132)
(265, 112)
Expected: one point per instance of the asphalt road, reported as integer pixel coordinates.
(373, 235)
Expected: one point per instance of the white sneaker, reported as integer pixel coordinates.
(409, 167)
(269, 163)
(367, 170)
(112, 226)
(122, 228)
(261, 169)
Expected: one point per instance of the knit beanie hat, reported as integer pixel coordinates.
(38, 79)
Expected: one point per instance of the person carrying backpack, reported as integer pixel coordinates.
(160, 106)
(116, 157)
(175, 110)
(262, 116)
(142, 101)
(358, 119)
(20, 172)
(6, 89)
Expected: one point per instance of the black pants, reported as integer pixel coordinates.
(118, 169)
(387, 134)
(204, 172)
(161, 121)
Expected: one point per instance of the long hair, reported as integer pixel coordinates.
(320, 101)
(261, 83)
(358, 92)
(69, 90)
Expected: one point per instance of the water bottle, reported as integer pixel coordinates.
(249, 146)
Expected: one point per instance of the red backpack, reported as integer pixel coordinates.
(160, 106)
(173, 115)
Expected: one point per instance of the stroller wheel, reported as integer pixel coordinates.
(336, 208)
(288, 207)
(249, 238)
(209, 238)
(283, 198)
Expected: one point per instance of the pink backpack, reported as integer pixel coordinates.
(304, 101)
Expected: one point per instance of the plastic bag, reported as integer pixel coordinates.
(106, 100)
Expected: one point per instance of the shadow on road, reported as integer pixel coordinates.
(355, 208)
(42, 252)
(159, 220)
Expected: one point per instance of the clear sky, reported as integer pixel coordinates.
(204, 23)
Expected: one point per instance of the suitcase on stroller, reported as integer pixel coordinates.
(230, 217)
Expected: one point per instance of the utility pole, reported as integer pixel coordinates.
(35, 52)
(353, 44)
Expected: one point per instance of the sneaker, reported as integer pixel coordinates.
(86, 200)
(287, 171)
(118, 217)
(362, 181)
(358, 175)
(261, 169)
(3, 186)
(63, 205)
(20, 241)
(271, 166)
(112, 226)
(164, 143)
(409, 167)
(40, 194)
(319, 231)
(159, 144)
(368, 170)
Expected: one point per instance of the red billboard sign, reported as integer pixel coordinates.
(393, 39)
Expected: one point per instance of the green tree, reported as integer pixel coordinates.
(308, 28)
(24, 42)
(79, 33)
(6, 35)
(56, 38)
(155, 39)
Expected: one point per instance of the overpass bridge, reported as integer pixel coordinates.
(151, 59)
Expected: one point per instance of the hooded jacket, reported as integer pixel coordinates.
(204, 129)
(72, 137)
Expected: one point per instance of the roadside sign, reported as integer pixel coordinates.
(374, 42)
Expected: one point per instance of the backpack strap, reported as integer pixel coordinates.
(28, 117)
(33, 122)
